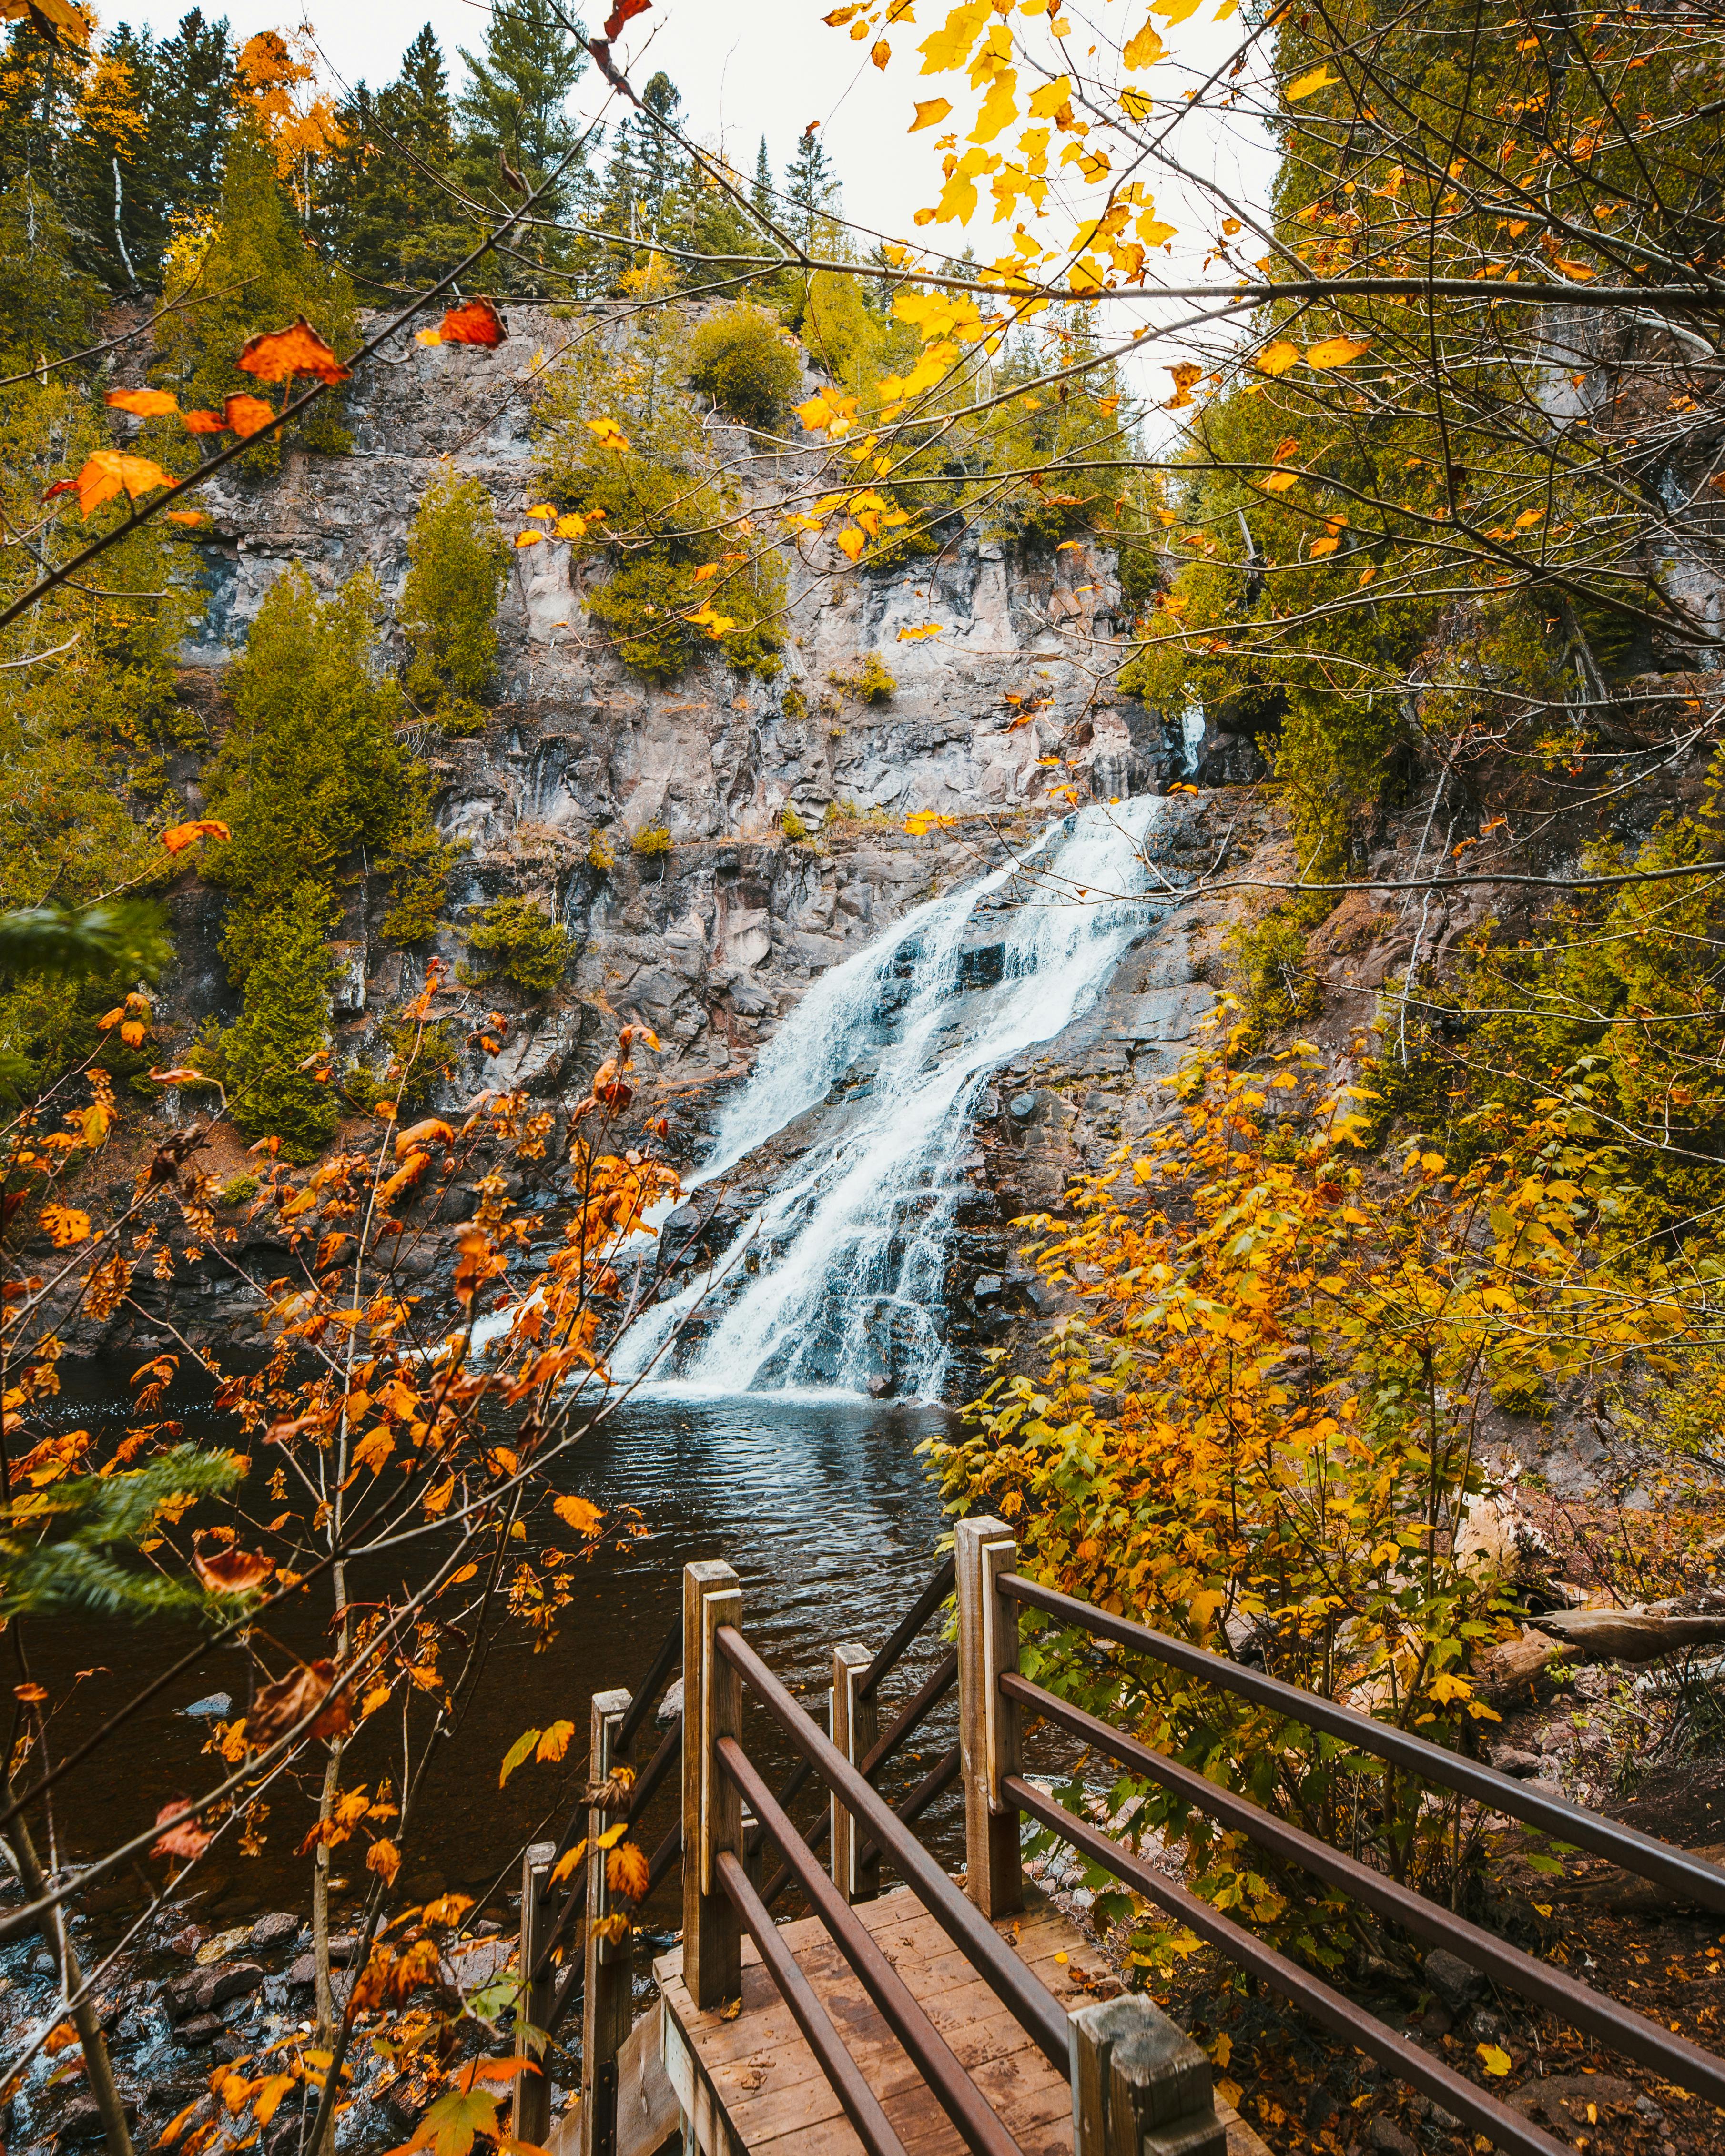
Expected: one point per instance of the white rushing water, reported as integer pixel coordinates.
(839, 1277)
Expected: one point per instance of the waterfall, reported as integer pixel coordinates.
(839, 1276)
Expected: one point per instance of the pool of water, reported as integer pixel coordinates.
(822, 1506)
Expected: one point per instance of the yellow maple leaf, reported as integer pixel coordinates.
(1336, 352)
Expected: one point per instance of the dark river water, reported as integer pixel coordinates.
(824, 1507)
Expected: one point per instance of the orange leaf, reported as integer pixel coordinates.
(110, 471)
(431, 1132)
(203, 423)
(626, 1870)
(278, 355)
(193, 517)
(231, 1571)
(383, 1858)
(246, 415)
(178, 836)
(478, 322)
(146, 403)
(578, 1513)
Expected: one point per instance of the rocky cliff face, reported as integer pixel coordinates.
(711, 943)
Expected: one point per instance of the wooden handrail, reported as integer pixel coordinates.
(1024, 1995)
(1472, 2106)
(909, 1625)
(670, 1647)
(1678, 1870)
(930, 2054)
(1599, 2014)
(862, 2106)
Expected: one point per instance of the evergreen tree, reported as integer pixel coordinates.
(515, 104)
(646, 198)
(312, 770)
(761, 194)
(458, 558)
(399, 227)
(811, 188)
(261, 273)
(286, 1021)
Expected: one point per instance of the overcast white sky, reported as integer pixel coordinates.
(749, 68)
(746, 67)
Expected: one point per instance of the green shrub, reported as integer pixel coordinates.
(1268, 973)
(744, 361)
(525, 947)
(867, 680)
(239, 1190)
(458, 559)
(794, 703)
(792, 824)
(312, 770)
(285, 1024)
(651, 841)
(417, 1061)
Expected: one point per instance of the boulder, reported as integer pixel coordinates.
(273, 1930)
(1455, 1983)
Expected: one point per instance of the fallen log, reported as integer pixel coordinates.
(1623, 1635)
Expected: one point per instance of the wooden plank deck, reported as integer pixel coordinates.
(751, 2085)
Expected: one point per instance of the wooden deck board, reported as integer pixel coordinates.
(765, 2091)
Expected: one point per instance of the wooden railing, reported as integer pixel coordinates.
(1128, 2066)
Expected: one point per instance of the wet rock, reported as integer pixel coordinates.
(302, 1973)
(273, 1930)
(201, 2028)
(1022, 1107)
(990, 1288)
(81, 2121)
(671, 1706)
(204, 1989)
(217, 1706)
(1455, 1983)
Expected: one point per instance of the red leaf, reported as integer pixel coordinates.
(181, 1835)
(278, 355)
(625, 11)
(478, 322)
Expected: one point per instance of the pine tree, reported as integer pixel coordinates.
(286, 1021)
(646, 198)
(459, 558)
(515, 104)
(261, 274)
(761, 194)
(811, 187)
(400, 228)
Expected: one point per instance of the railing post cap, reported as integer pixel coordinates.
(712, 1571)
(983, 1527)
(1139, 2048)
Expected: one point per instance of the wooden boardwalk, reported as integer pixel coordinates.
(750, 2082)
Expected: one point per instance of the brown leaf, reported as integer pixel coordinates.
(278, 355)
(279, 1706)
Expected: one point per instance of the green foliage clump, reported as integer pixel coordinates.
(668, 511)
(239, 1189)
(458, 558)
(282, 1028)
(312, 770)
(744, 361)
(794, 703)
(867, 679)
(601, 854)
(1270, 975)
(524, 945)
(81, 735)
(258, 272)
(793, 825)
(419, 1056)
(652, 842)
(67, 1555)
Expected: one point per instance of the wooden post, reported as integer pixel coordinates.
(606, 2006)
(1140, 2086)
(855, 1727)
(987, 1723)
(712, 1810)
(532, 2091)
